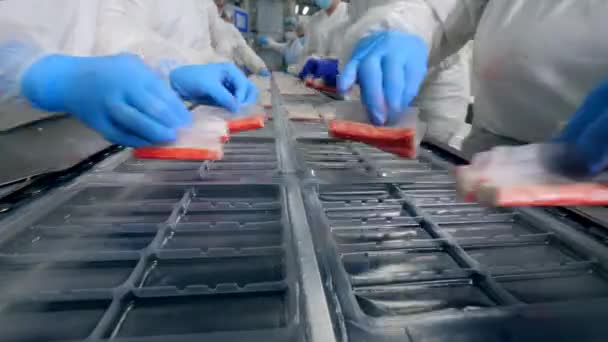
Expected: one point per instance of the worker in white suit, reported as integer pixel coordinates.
(333, 13)
(179, 40)
(233, 46)
(444, 97)
(292, 48)
(47, 64)
(536, 63)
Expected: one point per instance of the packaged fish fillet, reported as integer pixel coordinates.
(265, 99)
(203, 140)
(351, 123)
(511, 176)
(291, 85)
(249, 117)
(261, 82)
(302, 112)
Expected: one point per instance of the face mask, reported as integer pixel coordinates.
(291, 36)
(324, 4)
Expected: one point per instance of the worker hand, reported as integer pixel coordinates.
(309, 69)
(221, 84)
(263, 40)
(118, 96)
(584, 142)
(264, 73)
(390, 67)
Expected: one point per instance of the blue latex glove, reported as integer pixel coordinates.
(390, 67)
(327, 70)
(118, 96)
(221, 84)
(584, 141)
(263, 40)
(264, 73)
(309, 68)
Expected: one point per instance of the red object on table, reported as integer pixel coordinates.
(327, 89)
(399, 141)
(573, 194)
(177, 153)
(248, 123)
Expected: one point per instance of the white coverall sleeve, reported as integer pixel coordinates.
(445, 25)
(244, 54)
(128, 26)
(19, 49)
(221, 36)
(276, 46)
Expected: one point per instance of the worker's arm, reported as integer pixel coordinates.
(128, 26)
(312, 46)
(444, 25)
(389, 50)
(19, 49)
(245, 54)
(276, 46)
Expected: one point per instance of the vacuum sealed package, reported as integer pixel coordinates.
(511, 176)
(203, 140)
(302, 112)
(264, 87)
(265, 99)
(351, 122)
(261, 82)
(291, 85)
(249, 118)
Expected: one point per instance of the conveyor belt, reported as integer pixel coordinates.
(223, 251)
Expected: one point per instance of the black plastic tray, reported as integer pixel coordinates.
(410, 261)
(181, 251)
(153, 261)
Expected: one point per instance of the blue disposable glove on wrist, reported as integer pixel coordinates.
(584, 141)
(118, 96)
(264, 73)
(390, 67)
(309, 69)
(263, 40)
(220, 84)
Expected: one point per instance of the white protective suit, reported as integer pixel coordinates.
(164, 33)
(291, 50)
(534, 61)
(233, 46)
(30, 29)
(320, 30)
(445, 94)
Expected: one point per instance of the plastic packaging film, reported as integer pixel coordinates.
(518, 176)
(302, 112)
(289, 85)
(263, 85)
(250, 117)
(203, 140)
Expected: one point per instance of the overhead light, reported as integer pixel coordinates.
(305, 11)
(297, 9)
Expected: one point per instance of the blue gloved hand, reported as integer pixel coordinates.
(327, 70)
(584, 141)
(118, 96)
(264, 73)
(221, 84)
(309, 69)
(263, 40)
(390, 67)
